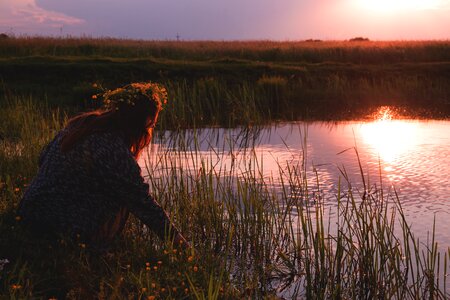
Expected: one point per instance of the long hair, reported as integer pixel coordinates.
(134, 121)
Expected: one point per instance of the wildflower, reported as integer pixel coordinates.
(94, 97)
(186, 291)
(94, 85)
(17, 218)
(148, 268)
(182, 283)
(155, 268)
(163, 290)
(17, 189)
(174, 251)
(166, 252)
(190, 258)
(147, 264)
(16, 287)
(151, 298)
(144, 290)
(128, 266)
(179, 273)
(52, 298)
(195, 268)
(159, 262)
(153, 285)
(82, 245)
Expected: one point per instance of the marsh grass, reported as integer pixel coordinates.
(253, 235)
(220, 83)
(374, 52)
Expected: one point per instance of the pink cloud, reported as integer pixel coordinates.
(25, 15)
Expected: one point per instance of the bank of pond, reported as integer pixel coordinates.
(270, 211)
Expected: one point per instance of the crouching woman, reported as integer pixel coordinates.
(89, 181)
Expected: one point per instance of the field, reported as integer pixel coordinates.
(218, 83)
(249, 240)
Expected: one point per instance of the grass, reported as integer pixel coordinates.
(251, 239)
(222, 80)
(363, 52)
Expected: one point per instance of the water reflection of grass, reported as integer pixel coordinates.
(250, 240)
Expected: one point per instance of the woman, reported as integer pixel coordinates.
(88, 179)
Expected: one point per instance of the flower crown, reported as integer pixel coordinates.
(113, 99)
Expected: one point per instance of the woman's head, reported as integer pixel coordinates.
(132, 110)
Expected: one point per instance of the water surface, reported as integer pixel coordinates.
(404, 156)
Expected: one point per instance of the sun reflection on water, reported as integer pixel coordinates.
(390, 137)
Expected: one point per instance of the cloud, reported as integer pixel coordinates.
(27, 16)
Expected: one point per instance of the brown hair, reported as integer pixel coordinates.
(135, 121)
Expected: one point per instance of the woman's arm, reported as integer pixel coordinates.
(122, 176)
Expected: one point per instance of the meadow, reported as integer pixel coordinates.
(222, 81)
(249, 240)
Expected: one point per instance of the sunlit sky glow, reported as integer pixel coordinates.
(231, 19)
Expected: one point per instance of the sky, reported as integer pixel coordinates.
(229, 19)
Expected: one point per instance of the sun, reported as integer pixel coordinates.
(397, 5)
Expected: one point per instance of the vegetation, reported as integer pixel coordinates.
(250, 239)
(221, 80)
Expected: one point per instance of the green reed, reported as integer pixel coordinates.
(254, 236)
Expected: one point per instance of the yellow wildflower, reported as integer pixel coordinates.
(94, 97)
(151, 298)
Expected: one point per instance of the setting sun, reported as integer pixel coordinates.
(397, 5)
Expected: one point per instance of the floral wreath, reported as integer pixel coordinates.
(131, 92)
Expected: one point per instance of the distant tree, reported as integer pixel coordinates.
(359, 39)
(3, 36)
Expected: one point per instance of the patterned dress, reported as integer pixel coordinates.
(89, 190)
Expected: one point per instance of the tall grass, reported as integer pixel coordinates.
(377, 52)
(220, 83)
(253, 236)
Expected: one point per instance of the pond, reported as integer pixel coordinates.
(405, 156)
